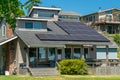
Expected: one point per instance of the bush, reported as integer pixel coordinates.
(74, 66)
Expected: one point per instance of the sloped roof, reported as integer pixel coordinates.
(31, 40)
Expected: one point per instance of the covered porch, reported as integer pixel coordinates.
(48, 56)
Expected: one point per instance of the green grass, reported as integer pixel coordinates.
(63, 77)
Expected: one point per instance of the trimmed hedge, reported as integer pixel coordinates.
(73, 66)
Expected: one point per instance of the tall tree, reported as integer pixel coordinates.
(10, 9)
(29, 3)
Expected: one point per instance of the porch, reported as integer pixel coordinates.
(47, 57)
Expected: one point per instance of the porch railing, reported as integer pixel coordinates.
(58, 66)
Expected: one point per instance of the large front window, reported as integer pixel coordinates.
(33, 25)
(77, 52)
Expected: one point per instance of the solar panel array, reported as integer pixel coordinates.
(53, 37)
(76, 32)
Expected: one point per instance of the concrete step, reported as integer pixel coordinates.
(44, 71)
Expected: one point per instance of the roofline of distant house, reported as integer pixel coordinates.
(74, 13)
(43, 8)
(35, 19)
(100, 11)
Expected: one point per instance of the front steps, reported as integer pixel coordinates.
(47, 71)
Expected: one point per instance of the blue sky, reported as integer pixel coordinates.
(81, 6)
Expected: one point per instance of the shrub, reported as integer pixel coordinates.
(73, 66)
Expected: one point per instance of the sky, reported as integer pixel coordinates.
(82, 7)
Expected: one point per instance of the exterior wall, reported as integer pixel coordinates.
(10, 56)
(21, 54)
(35, 13)
(9, 31)
(21, 24)
(101, 53)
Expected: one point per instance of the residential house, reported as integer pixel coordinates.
(69, 15)
(106, 21)
(7, 47)
(42, 39)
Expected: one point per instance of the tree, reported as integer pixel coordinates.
(117, 39)
(10, 10)
(29, 3)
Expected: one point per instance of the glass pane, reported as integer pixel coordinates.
(67, 53)
(37, 25)
(32, 55)
(59, 52)
(29, 25)
(42, 54)
(51, 53)
(77, 52)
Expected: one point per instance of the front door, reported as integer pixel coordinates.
(59, 54)
(85, 53)
(67, 53)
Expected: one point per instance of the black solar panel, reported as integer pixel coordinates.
(53, 37)
(76, 32)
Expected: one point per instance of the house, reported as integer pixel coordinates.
(41, 39)
(7, 47)
(69, 15)
(106, 21)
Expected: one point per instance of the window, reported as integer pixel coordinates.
(3, 30)
(33, 25)
(77, 52)
(37, 25)
(51, 53)
(29, 25)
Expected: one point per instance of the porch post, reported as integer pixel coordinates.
(72, 52)
(56, 57)
(107, 49)
(82, 50)
(63, 53)
(27, 58)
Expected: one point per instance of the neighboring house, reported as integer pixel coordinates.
(106, 21)
(7, 47)
(69, 15)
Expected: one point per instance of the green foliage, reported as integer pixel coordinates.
(10, 9)
(29, 3)
(74, 66)
(117, 39)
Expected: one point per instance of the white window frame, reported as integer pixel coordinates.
(3, 30)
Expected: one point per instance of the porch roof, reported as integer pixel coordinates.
(31, 40)
(6, 40)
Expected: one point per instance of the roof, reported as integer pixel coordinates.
(69, 13)
(43, 8)
(31, 40)
(101, 11)
(6, 40)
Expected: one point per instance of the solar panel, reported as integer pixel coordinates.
(76, 32)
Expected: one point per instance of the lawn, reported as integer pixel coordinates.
(63, 77)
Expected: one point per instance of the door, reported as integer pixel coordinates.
(59, 54)
(110, 30)
(67, 53)
(42, 55)
(86, 53)
(32, 56)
